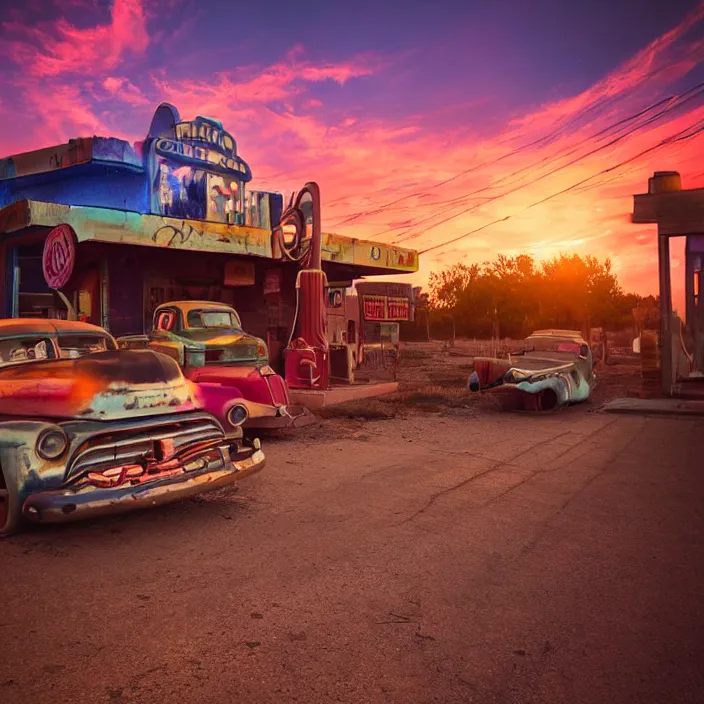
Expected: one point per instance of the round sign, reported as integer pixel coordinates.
(59, 256)
(375, 253)
(335, 299)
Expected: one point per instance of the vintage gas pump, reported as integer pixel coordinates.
(298, 238)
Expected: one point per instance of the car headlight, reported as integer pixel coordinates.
(51, 444)
(237, 415)
(195, 359)
(266, 370)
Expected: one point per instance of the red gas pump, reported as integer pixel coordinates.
(299, 239)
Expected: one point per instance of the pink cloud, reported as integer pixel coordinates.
(227, 90)
(124, 90)
(64, 48)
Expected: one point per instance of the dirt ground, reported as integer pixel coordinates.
(433, 381)
(420, 549)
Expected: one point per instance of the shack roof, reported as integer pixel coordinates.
(356, 256)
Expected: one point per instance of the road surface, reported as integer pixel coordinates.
(491, 559)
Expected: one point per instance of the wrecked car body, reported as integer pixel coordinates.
(88, 430)
(552, 368)
(230, 367)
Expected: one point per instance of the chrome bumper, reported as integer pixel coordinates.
(66, 505)
(271, 417)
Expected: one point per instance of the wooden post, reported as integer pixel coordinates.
(15, 274)
(690, 259)
(699, 324)
(666, 356)
(105, 296)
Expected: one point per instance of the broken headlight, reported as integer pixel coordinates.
(51, 444)
(195, 358)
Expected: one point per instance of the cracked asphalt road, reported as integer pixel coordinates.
(496, 559)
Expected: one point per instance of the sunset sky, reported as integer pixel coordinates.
(382, 102)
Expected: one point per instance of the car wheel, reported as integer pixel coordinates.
(9, 510)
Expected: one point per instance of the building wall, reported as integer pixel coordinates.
(87, 185)
(140, 278)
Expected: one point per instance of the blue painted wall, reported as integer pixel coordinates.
(116, 178)
(92, 184)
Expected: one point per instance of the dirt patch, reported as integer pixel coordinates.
(433, 381)
(617, 379)
(369, 409)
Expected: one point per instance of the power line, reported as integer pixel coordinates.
(692, 93)
(696, 129)
(567, 151)
(547, 139)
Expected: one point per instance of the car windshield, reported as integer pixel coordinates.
(25, 349)
(74, 346)
(552, 344)
(214, 319)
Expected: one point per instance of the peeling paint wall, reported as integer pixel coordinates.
(103, 172)
(336, 248)
(120, 227)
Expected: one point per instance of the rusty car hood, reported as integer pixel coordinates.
(216, 338)
(102, 386)
(540, 361)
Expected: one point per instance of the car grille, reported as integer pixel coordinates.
(236, 353)
(132, 446)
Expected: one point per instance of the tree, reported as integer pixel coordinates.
(512, 296)
(580, 292)
(511, 282)
(451, 291)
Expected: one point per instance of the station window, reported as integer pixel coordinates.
(185, 192)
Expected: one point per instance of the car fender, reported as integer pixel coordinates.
(217, 399)
(24, 470)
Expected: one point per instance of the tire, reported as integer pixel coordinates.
(10, 515)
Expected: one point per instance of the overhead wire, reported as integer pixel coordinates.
(567, 151)
(695, 129)
(691, 94)
(546, 139)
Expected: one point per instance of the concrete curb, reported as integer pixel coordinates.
(659, 406)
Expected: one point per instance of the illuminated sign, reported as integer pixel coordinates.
(385, 308)
(204, 143)
(397, 309)
(335, 297)
(374, 307)
(59, 256)
(189, 153)
(207, 132)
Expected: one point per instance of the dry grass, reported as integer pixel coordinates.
(433, 380)
(426, 398)
(367, 409)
